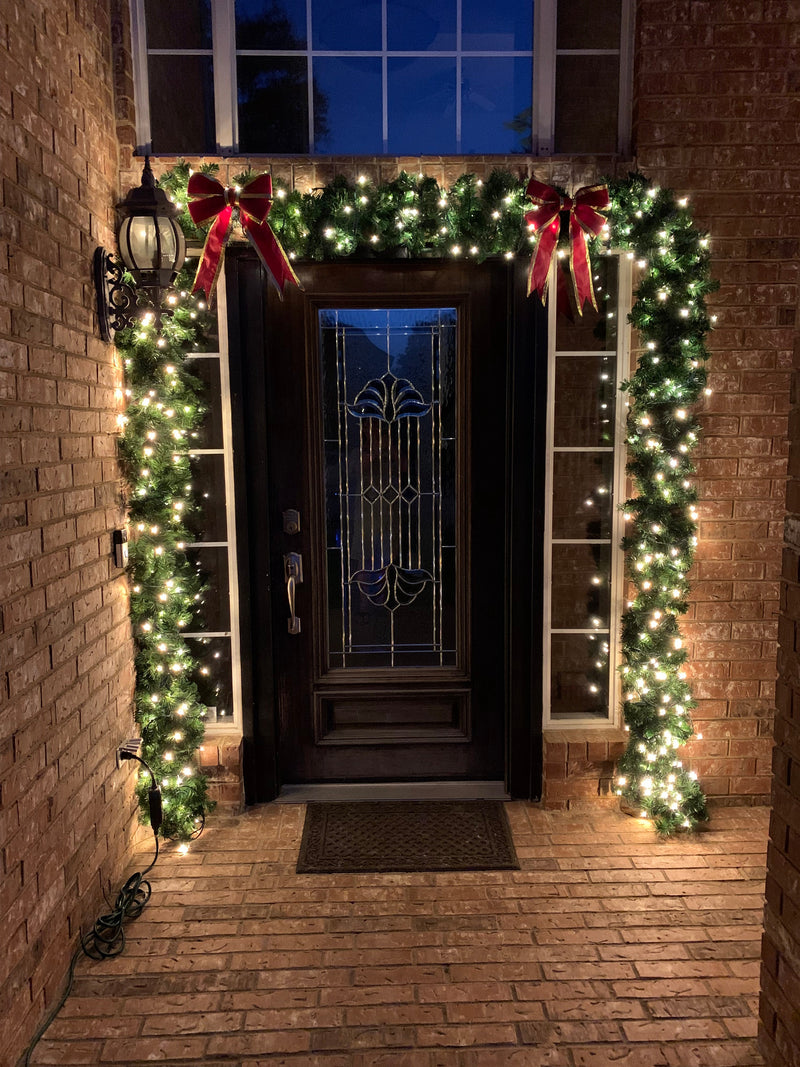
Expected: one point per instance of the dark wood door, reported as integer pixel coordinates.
(376, 405)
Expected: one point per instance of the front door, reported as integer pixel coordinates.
(376, 459)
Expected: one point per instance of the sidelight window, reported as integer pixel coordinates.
(585, 484)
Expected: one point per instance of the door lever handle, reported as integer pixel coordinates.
(293, 574)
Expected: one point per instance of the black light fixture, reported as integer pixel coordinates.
(152, 249)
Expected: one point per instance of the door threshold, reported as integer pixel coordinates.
(341, 791)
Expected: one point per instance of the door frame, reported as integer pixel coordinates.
(524, 477)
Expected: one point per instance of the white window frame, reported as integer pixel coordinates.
(623, 349)
(223, 53)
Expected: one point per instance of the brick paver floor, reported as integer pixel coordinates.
(608, 947)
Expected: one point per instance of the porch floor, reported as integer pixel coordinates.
(610, 946)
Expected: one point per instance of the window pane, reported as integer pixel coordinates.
(208, 522)
(273, 104)
(593, 330)
(579, 676)
(584, 401)
(496, 105)
(213, 676)
(582, 489)
(181, 121)
(214, 609)
(580, 587)
(422, 106)
(580, 27)
(347, 106)
(501, 26)
(346, 27)
(270, 25)
(178, 24)
(209, 433)
(421, 25)
(582, 128)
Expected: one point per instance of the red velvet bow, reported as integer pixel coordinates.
(584, 217)
(207, 199)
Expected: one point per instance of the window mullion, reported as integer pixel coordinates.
(545, 22)
(223, 31)
(385, 75)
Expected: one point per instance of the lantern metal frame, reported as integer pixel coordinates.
(118, 301)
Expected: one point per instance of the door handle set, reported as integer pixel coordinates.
(293, 575)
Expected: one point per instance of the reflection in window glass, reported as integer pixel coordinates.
(209, 433)
(593, 330)
(213, 676)
(422, 106)
(579, 26)
(579, 676)
(184, 121)
(582, 489)
(585, 401)
(188, 24)
(207, 521)
(278, 25)
(273, 104)
(496, 105)
(580, 586)
(503, 25)
(214, 609)
(351, 25)
(579, 128)
(351, 89)
(421, 25)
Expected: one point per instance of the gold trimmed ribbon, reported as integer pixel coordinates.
(209, 199)
(544, 218)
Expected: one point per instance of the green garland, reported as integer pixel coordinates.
(669, 314)
(163, 412)
(414, 217)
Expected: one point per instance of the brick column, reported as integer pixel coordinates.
(779, 1032)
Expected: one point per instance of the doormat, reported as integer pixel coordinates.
(406, 835)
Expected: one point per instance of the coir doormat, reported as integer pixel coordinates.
(408, 835)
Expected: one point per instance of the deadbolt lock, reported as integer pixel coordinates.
(291, 521)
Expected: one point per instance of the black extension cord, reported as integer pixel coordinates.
(107, 937)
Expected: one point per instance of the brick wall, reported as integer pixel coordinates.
(715, 119)
(66, 812)
(780, 973)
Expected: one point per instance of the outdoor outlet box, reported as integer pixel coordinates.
(121, 548)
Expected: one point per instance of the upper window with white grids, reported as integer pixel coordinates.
(373, 77)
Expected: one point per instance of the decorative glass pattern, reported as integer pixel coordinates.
(389, 431)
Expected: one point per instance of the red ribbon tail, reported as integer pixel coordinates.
(275, 260)
(539, 271)
(581, 267)
(213, 251)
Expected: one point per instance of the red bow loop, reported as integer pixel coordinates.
(544, 219)
(208, 199)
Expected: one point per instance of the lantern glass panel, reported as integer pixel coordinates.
(151, 242)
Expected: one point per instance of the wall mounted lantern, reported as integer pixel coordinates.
(152, 249)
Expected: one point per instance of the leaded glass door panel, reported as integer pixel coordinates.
(389, 416)
(384, 401)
